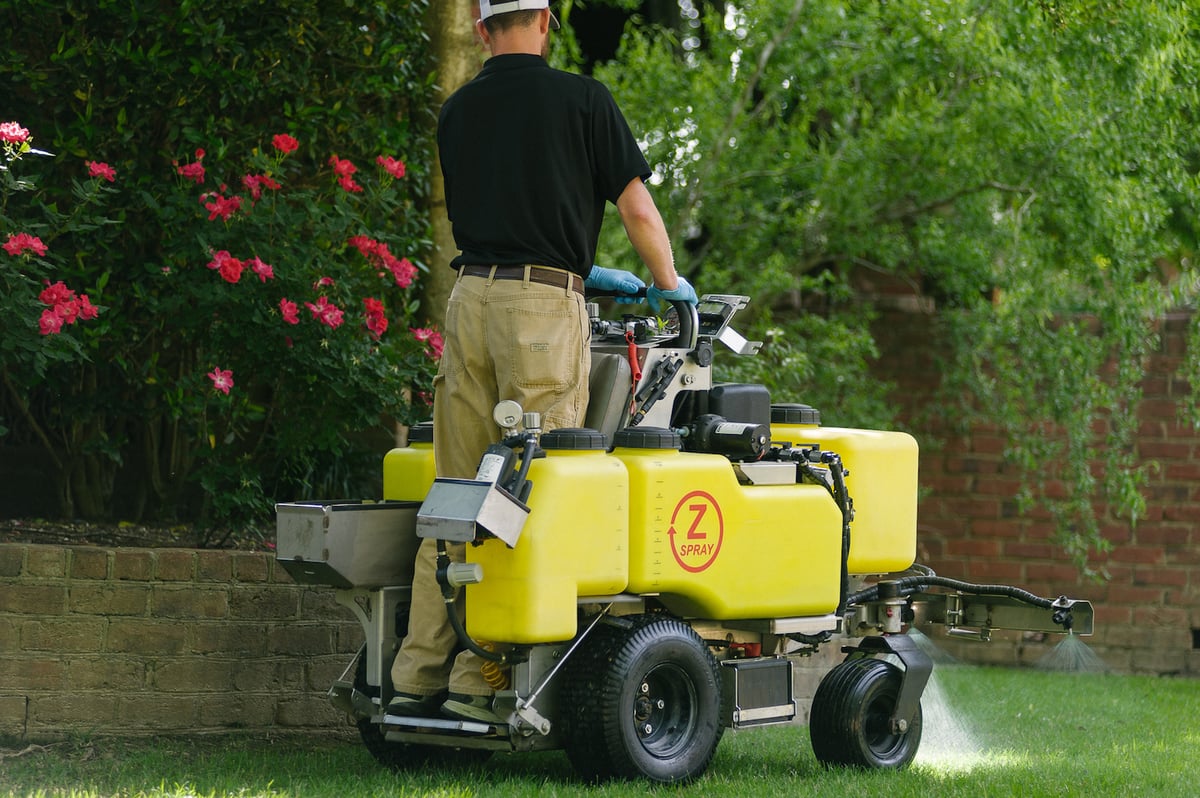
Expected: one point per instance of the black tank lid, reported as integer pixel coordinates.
(421, 432)
(647, 438)
(795, 414)
(573, 438)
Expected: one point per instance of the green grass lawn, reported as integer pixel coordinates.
(988, 732)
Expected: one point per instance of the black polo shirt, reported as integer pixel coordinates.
(530, 154)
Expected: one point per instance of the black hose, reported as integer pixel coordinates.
(843, 500)
(836, 487)
(521, 486)
(448, 596)
(908, 585)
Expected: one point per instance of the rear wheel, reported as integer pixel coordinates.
(644, 703)
(850, 723)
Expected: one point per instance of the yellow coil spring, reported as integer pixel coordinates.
(495, 674)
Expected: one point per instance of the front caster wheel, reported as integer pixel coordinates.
(850, 723)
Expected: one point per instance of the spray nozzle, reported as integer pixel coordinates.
(1062, 613)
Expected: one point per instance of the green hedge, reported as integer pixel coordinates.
(120, 405)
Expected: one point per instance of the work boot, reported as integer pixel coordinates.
(412, 705)
(471, 707)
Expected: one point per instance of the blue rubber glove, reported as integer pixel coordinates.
(626, 285)
(657, 297)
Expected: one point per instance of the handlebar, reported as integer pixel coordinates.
(689, 317)
(689, 324)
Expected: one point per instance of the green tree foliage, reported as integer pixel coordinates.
(1028, 169)
(130, 423)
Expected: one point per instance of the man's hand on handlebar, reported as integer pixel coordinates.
(626, 287)
(683, 293)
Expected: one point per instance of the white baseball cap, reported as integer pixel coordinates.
(490, 8)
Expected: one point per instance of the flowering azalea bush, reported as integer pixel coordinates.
(289, 278)
(291, 132)
(281, 296)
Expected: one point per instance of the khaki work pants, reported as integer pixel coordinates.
(505, 339)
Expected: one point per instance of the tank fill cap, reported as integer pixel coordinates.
(573, 438)
(795, 414)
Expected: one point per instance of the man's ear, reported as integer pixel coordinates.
(482, 32)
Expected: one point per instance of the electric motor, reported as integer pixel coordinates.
(735, 439)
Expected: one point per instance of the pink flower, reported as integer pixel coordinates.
(256, 183)
(363, 244)
(86, 309)
(403, 271)
(378, 254)
(345, 170)
(377, 321)
(431, 338)
(56, 294)
(322, 282)
(222, 379)
(101, 169)
(325, 312)
(289, 311)
(264, 270)
(64, 308)
(392, 166)
(192, 171)
(342, 167)
(50, 323)
(284, 143)
(218, 205)
(19, 243)
(13, 133)
(229, 266)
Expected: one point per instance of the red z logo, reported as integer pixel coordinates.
(697, 557)
(699, 510)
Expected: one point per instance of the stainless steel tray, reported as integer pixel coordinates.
(347, 544)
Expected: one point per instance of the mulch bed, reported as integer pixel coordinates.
(131, 535)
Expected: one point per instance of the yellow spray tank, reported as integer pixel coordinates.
(409, 471)
(575, 543)
(882, 480)
(712, 547)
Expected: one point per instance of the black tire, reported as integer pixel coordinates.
(399, 756)
(643, 703)
(850, 722)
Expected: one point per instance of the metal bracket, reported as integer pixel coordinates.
(738, 344)
(917, 669)
(526, 711)
(378, 621)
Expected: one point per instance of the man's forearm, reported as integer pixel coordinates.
(644, 226)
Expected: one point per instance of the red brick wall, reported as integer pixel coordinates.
(137, 641)
(1148, 613)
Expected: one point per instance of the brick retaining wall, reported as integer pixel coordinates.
(131, 642)
(136, 641)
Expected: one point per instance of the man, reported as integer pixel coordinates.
(530, 155)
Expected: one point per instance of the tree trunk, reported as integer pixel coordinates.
(457, 54)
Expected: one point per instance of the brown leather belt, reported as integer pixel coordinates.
(537, 274)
